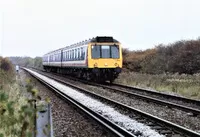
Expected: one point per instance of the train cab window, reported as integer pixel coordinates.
(105, 51)
(96, 50)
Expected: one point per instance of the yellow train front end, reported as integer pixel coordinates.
(105, 60)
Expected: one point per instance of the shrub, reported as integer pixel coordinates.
(178, 57)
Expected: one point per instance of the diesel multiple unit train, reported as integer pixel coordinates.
(98, 59)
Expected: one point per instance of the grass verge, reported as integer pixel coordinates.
(184, 85)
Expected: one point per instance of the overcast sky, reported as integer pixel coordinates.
(34, 27)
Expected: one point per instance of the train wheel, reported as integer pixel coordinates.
(88, 77)
(111, 81)
(111, 77)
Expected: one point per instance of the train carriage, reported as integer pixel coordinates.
(98, 59)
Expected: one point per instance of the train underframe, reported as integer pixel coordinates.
(94, 74)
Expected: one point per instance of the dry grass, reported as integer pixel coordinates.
(185, 85)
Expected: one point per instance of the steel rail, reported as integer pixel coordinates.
(161, 122)
(161, 102)
(194, 111)
(109, 125)
(188, 100)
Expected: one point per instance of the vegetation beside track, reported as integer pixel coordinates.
(181, 57)
(185, 85)
(167, 67)
(17, 111)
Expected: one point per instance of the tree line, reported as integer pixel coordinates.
(178, 57)
(27, 61)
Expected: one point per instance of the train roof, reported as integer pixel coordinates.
(97, 39)
(103, 39)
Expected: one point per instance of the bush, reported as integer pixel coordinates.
(178, 57)
(17, 114)
(5, 64)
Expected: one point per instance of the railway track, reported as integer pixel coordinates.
(162, 126)
(176, 99)
(185, 104)
(109, 125)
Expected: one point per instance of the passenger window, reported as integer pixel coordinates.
(75, 54)
(66, 55)
(81, 53)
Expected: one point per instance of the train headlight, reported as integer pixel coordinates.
(95, 65)
(116, 65)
